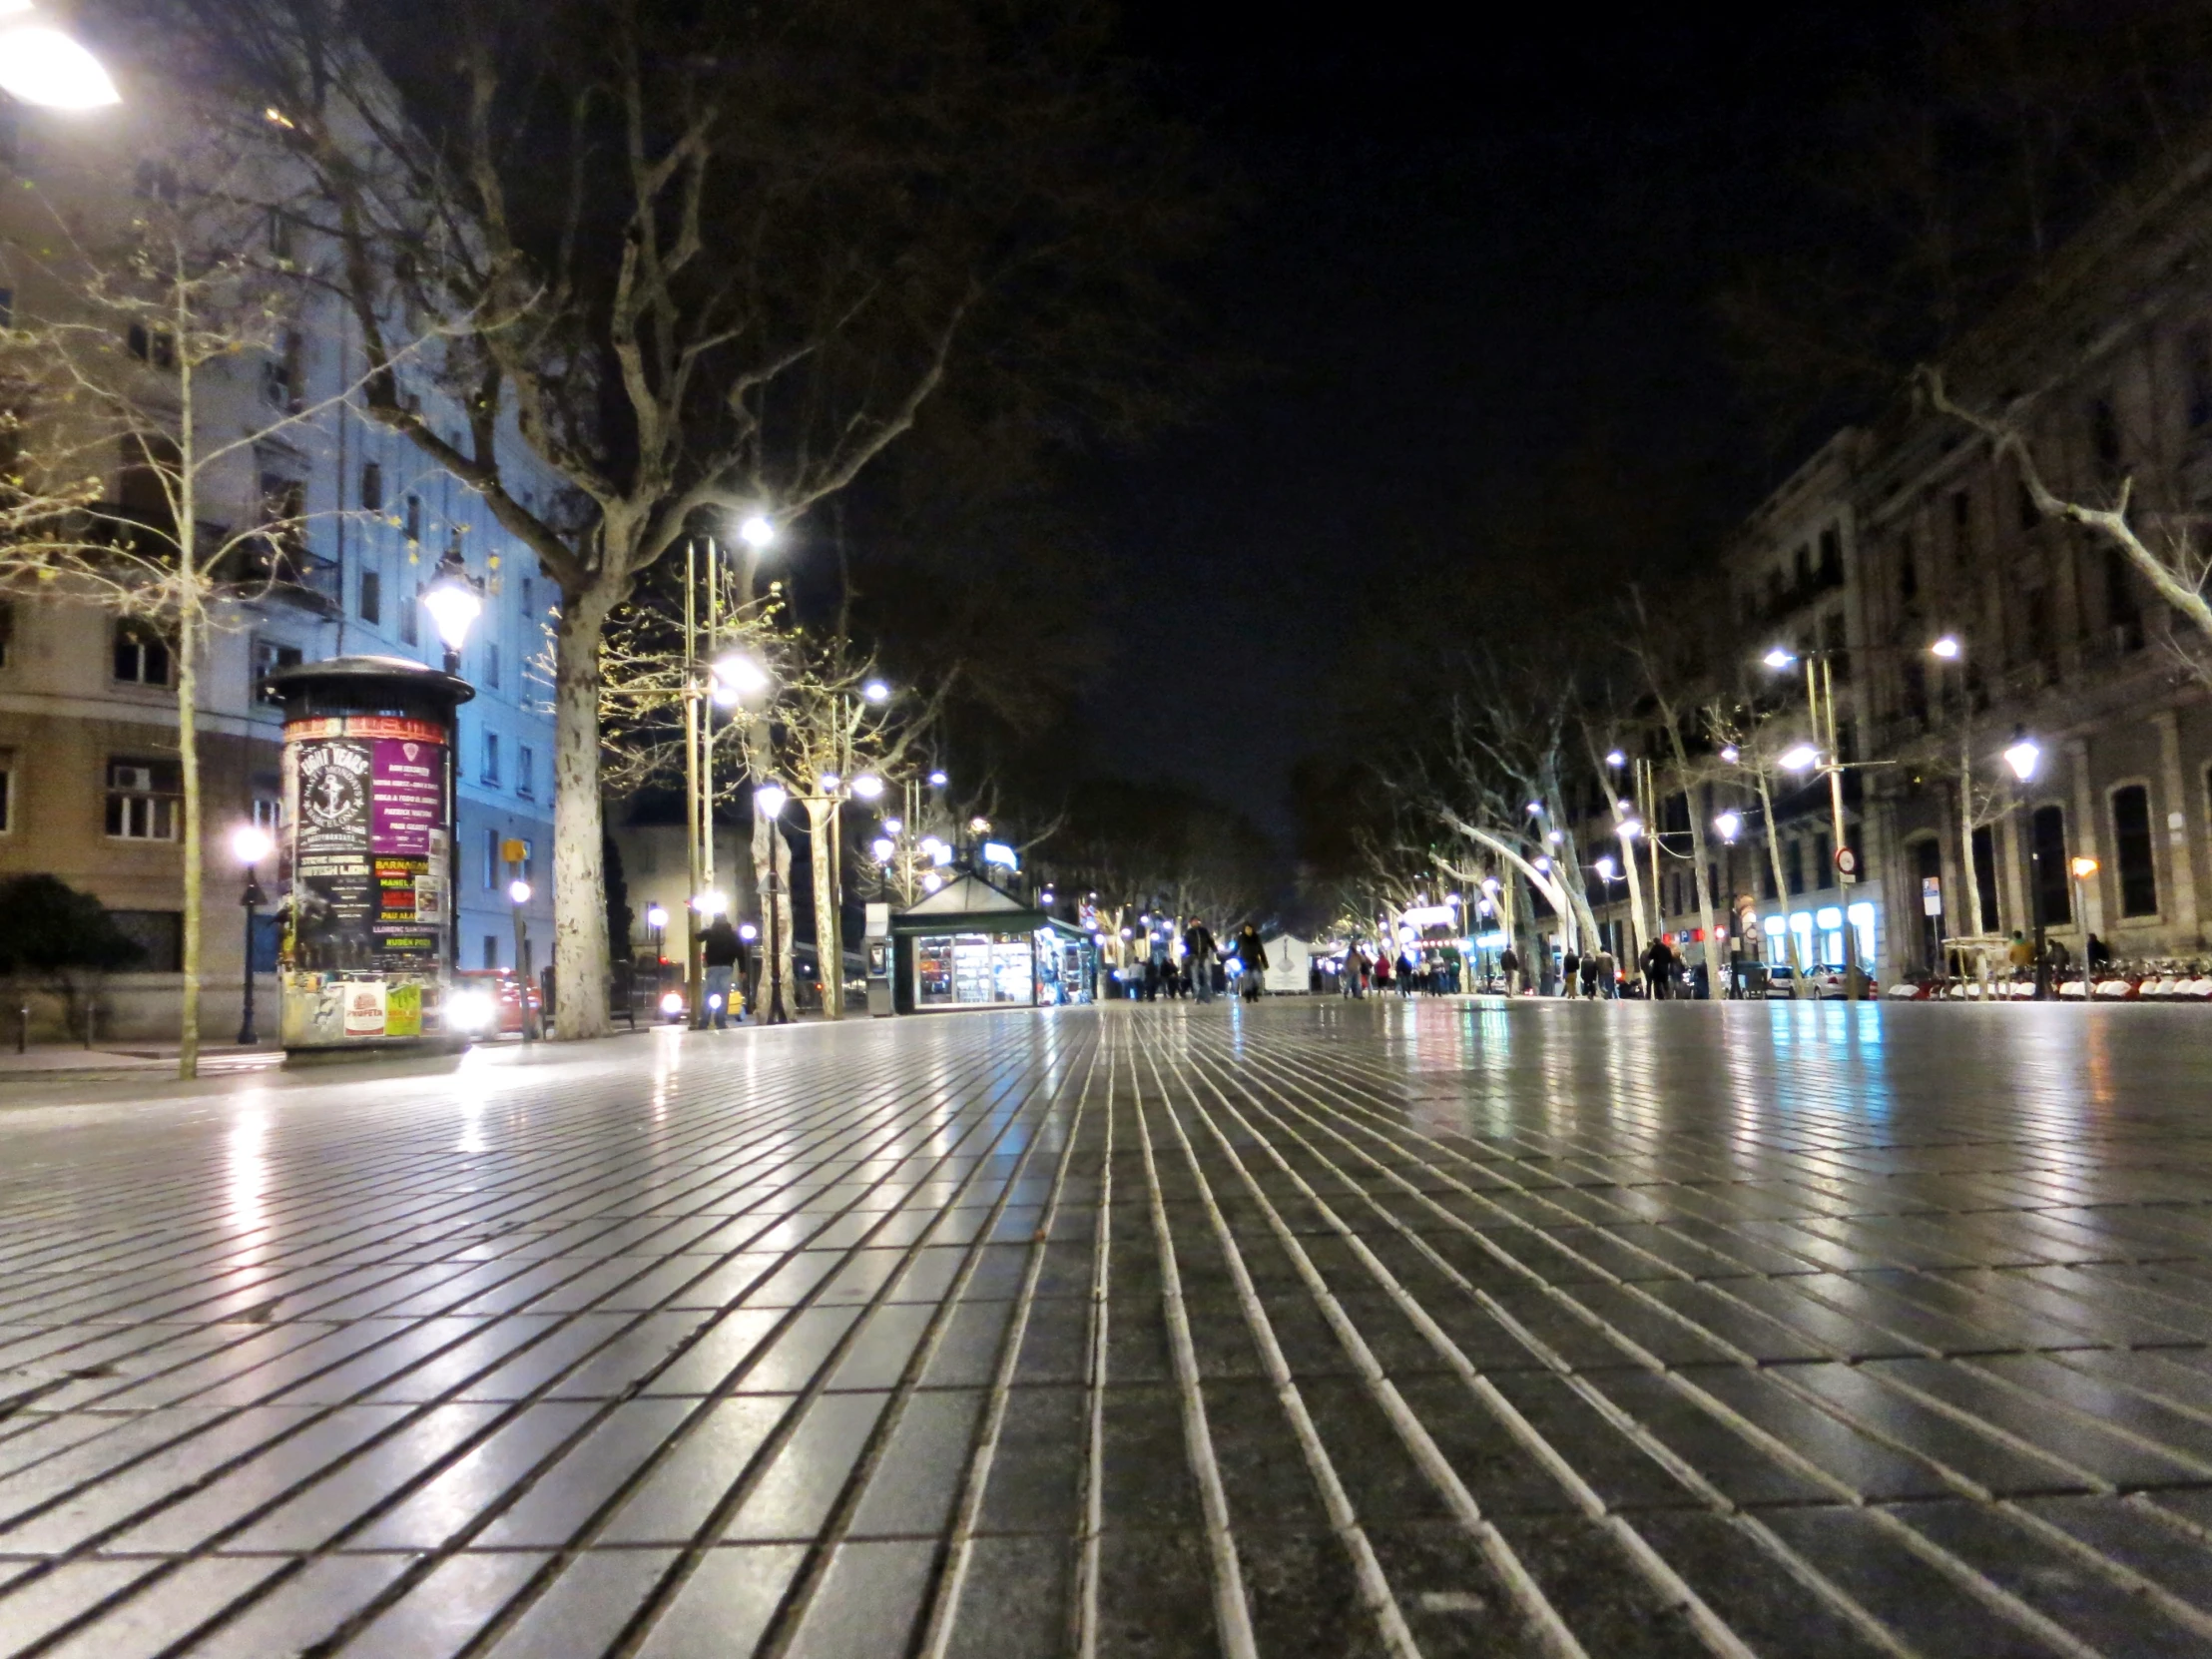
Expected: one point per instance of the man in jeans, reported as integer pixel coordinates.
(720, 947)
(1198, 958)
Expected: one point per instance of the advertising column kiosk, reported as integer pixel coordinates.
(367, 944)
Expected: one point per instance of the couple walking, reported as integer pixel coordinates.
(1200, 949)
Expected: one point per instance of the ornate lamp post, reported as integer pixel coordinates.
(249, 844)
(454, 600)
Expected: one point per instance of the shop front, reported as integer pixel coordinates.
(971, 945)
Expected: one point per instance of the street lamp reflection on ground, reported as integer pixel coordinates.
(41, 65)
(249, 844)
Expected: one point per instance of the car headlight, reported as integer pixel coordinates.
(673, 1003)
(468, 1010)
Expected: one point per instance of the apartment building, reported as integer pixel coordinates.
(88, 751)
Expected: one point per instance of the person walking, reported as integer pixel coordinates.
(2096, 955)
(1658, 967)
(1570, 972)
(1199, 950)
(1508, 969)
(1589, 973)
(719, 949)
(1254, 956)
(1381, 971)
(2019, 954)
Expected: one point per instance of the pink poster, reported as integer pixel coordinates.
(407, 795)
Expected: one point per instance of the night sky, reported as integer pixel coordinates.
(1472, 252)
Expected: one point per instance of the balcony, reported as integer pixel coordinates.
(269, 567)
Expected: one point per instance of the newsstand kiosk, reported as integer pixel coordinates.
(368, 934)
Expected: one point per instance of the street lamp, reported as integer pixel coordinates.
(1730, 754)
(737, 677)
(249, 844)
(875, 690)
(454, 600)
(867, 786)
(1535, 808)
(768, 800)
(757, 531)
(2082, 868)
(1799, 758)
(1945, 648)
(518, 894)
(1605, 868)
(1780, 657)
(1730, 824)
(1616, 760)
(41, 65)
(937, 780)
(2023, 755)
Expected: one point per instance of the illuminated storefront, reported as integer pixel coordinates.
(971, 945)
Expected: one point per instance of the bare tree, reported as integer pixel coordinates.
(681, 262)
(142, 327)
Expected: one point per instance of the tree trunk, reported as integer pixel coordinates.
(1971, 907)
(828, 948)
(188, 769)
(580, 960)
(1715, 963)
(772, 865)
(1781, 884)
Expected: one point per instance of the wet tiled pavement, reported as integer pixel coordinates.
(1316, 1330)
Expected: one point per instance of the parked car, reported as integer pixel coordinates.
(488, 1002)
(1824, 984)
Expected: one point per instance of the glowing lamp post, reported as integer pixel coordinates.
(768, 800)
(2025, 756)
(454, 600)
(41, 65)
(249, 844)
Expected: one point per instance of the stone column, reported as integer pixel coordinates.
(2083, 840)
(2181, 875)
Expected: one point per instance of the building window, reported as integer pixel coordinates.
(269, 813)
(1832, 557)
(1908, 571)
(7, 791)
(2030, 514)
(2131, 849)
(491, 950)
(489, 773)
(529, 860)
(2047, 835)
(2104, 438)
(281, 375)
(372, 488)
(141, 654)
(414, 518)
(7, 630)
(159, 934)
(526, 767)
(1824, 857)
(141, 801)
(268, 657)
(410, 627)
(491, 860)
(373, 597)
(2121, 612)
(2196, 369)
(491, 664)
(1765, 876)
(1962, 523)
(1793, 865)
